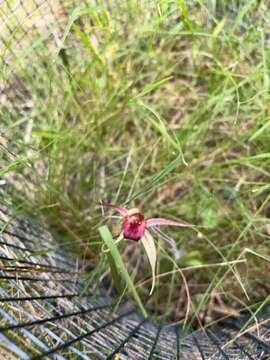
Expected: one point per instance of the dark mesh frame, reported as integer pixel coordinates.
(43, 312)
(45, 315)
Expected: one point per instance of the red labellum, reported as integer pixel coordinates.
(134, 225)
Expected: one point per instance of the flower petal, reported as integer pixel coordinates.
(151, 252)
(161, 221)
(168, 239)
(134, 226)
(120, 209)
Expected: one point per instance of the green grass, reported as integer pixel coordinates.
(163, 106)
(119, 267)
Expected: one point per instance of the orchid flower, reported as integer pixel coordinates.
(135, 227)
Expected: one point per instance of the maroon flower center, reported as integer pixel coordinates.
(134, 225)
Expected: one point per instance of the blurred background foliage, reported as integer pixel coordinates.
(162, 105)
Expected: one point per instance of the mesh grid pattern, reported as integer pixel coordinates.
(43, 314)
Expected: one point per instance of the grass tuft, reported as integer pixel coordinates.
(162, 105)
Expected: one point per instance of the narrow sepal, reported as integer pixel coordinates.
(151, 252)
(161, 221)
(120, 209)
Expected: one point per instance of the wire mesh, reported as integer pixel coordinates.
(44, 313)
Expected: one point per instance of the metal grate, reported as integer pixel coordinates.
(43, 311)
(44, 315)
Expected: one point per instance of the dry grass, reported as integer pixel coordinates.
(164, 107)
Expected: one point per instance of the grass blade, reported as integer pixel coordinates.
(107, 238)
(115, 275)
(151, 87)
